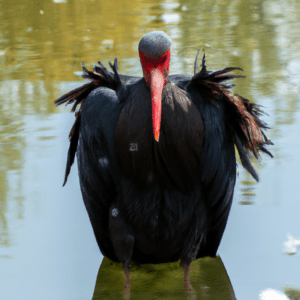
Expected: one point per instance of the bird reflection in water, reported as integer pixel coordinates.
(208, 277)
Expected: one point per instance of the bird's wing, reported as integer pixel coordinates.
(92, 138)
(100, 77)
(97, 162)
(242, 115)
(228, 119)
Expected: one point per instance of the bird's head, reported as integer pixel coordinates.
(154, 51)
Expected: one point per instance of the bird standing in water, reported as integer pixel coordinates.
(156, 157)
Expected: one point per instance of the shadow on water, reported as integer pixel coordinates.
(208, 277)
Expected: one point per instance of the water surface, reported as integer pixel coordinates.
(47, 247)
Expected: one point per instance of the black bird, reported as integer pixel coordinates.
(156, 157)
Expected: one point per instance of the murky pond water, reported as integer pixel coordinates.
(47, 247)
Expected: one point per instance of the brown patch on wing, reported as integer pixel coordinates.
(242, 114)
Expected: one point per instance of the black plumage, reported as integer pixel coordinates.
(157, 202)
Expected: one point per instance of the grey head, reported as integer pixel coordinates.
(154, 44)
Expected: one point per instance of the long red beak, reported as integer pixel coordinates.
(157, 81)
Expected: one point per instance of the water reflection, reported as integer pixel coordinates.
(292, 292)
(290, 246)
(208, 277)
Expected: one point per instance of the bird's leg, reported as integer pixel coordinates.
(122, 237)
(127, 283)
(187, 283)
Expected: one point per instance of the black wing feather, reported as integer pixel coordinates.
(101, 78)
(241, 114)
(92, 138)
(73, 136)
(228, 120)
(98, 172)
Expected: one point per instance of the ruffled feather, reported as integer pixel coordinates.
(243, 115)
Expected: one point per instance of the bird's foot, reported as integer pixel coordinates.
(189, 288)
